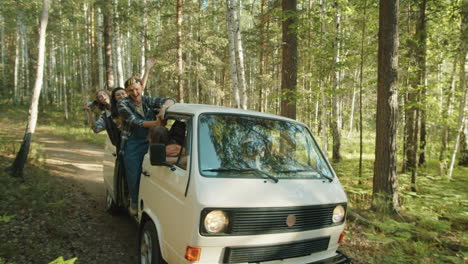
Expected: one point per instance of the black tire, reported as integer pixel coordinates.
(150, 253)
(111, 206)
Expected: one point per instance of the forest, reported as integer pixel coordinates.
(381, 84)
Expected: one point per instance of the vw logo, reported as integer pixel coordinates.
(290, 220)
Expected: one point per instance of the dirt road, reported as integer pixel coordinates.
(111, 239)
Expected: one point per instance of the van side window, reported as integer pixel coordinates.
(179, 133)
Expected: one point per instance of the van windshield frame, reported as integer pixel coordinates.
(234, 145)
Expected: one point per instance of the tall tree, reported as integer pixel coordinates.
(421, 36)
(180, 60)
(108, 44)
(3, 54)
(236, 51)
(385, 183)
(17, 169)
(336, 116)
(289, 59)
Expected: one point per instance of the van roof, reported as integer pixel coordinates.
(197, 109)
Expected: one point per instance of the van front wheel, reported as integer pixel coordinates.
(149, 245)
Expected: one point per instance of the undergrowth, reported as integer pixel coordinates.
(33, 211)
(431, 226)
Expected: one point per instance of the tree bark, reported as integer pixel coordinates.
(324, 111)
(100, 57)
(232, 56)
(17, 169)
(385, 183)
(289, 59)
(118, 46)
(421, 35)
(336, 120)
(3, 54)
(180, 61)
(144, 23)
(108, 46)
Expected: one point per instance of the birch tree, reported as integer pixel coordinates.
(17, 169)
(236, 54)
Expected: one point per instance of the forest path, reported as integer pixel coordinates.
(80, 166)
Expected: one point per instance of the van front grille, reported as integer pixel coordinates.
(273, 220)
(275, 252)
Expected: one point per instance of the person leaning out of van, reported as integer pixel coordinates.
(138, 113)
(160, 135)
(105, 120)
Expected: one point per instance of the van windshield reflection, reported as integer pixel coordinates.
(252, 145)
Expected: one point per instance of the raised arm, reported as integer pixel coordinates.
(149, 64)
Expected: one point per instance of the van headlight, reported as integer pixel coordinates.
(338, 214)
(216, 221)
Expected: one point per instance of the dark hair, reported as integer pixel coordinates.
(132, 80)
(96, 102)
(114, 111)
(158, 135)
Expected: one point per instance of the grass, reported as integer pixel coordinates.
(433, 221)
(33, 211)
(52, 121)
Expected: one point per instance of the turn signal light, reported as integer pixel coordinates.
(342, 235)
(192, 254)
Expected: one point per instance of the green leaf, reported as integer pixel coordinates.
(60, 260)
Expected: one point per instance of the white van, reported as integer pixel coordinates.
(247, 187)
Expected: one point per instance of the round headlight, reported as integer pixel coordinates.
(338, 214)
(216, 221)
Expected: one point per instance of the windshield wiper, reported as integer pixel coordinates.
(330, 179)
(244, 169)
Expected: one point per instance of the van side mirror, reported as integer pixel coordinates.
(157, 154)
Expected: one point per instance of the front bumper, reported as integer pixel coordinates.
(340, 258)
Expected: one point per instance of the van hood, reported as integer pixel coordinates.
(235, 192)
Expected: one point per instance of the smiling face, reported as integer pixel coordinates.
(134, 91)
(103, 98)
(120, 94)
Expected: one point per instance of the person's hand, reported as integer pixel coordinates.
(86, 107)
(162, 111)
(150, 63)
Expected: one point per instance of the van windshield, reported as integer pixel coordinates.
(240, 146)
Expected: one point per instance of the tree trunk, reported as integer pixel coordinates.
(118, 46)
(335, 122)
(144, 23)
(100, 57)
(108, 46)
(180, 62)
(232, 55)
(324, 112)
(86, 84)
(17, 59)
(446, 112)
(385, 183)
(463, 160)
(239, 54)
(3, 93)
(17, 169)
(262, 55)
(463, 90)
(421, 36)
(289, 59)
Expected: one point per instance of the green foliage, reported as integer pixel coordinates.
(60, 260)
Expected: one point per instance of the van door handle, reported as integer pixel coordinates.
(146, 173)
(114, 154)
